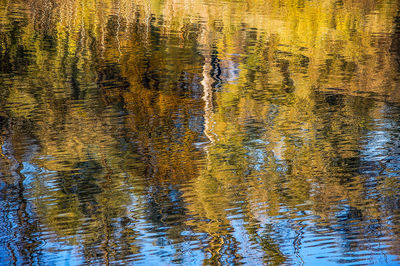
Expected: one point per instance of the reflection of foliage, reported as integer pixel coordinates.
(112, 92)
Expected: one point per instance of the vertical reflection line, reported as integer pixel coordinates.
(103, 21)
(11, 159)
(83, 34)
(207, 97)
(208, 106)
(118, 29)
(147, 20)
(297, 242)
(21, 211)
(14, 258)
(8, 224)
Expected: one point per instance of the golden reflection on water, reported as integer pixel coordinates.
(199, 132)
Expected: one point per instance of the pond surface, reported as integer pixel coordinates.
(196, 132)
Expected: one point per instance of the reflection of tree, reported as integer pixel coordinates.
(119, 106)
(21, 228)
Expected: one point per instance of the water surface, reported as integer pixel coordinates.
(199, 132)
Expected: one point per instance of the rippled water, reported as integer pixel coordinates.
(199, 132)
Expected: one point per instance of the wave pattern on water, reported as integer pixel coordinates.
(199, 132)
